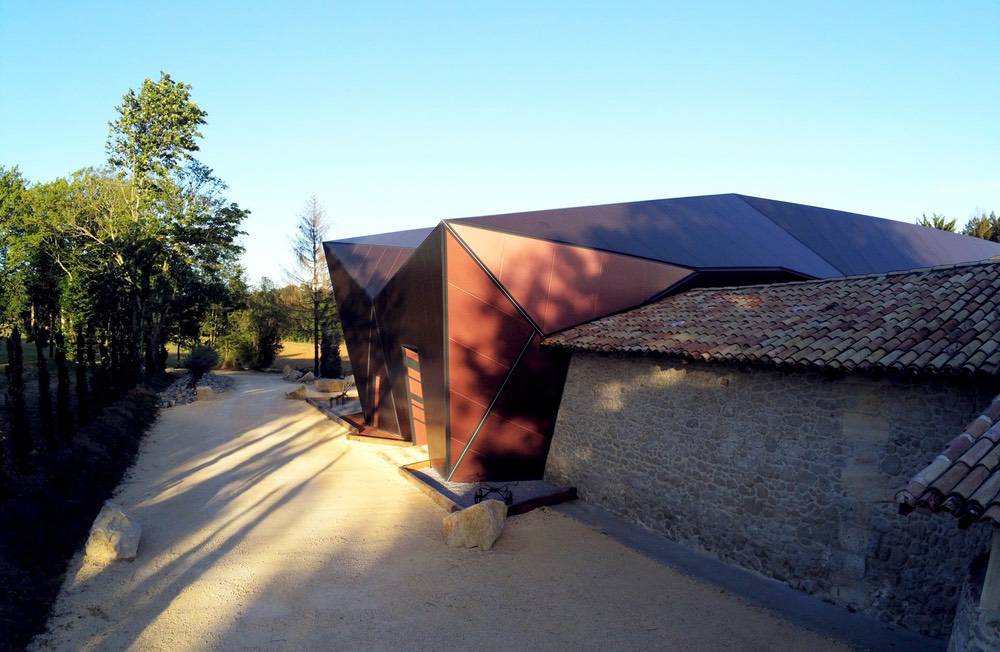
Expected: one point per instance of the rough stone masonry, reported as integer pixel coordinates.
(790, 474)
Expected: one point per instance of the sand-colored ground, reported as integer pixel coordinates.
(266, 529)
(300, 354)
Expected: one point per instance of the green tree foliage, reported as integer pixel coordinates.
(156, 131)
(936, 221)
(202, 359)
(101, 269)
(253, 336)
(984, 226)
(330, 365)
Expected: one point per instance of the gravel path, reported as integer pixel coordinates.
(266, 529)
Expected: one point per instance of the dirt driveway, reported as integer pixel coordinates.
(266, 529)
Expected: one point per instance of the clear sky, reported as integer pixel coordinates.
(397, 115)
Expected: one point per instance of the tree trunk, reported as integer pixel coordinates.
(315, 336)
(82, 400)
(20, 435)
(44, 390)
(64, 414)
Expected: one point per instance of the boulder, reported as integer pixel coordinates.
(286, 371)
(299, 393)
(114, 535)
(307, 377)
(205, 393)
(479, 525)
(330, 384)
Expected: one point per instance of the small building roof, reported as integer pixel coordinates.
(964, 480)
(939, 319)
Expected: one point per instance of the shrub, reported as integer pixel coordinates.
(202, 359)
(253, 340)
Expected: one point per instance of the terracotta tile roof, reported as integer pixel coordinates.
(939, 319)
(964, 479)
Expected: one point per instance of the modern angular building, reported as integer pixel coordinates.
(443, 326)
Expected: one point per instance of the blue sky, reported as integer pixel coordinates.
(397, 115)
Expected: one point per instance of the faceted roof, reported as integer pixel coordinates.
(740, 232)
(708, 233)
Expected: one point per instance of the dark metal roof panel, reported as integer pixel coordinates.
(410, 238)
(715, 231)
(861, 244)
(371, 266)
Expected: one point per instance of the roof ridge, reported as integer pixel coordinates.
(743, 198)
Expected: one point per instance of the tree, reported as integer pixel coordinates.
(329, 352)
(936, 221)
(253, 336)
(984, 226)
(156, 131)
(19, 442)
(311, 273)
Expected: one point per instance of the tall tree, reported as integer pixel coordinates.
(311, 273)
(156, 131)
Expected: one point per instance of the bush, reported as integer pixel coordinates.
(203, 358)
(253, 340)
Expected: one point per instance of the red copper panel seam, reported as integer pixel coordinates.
(496, 281)
(489, 409)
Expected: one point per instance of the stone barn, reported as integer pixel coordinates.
(773, 425)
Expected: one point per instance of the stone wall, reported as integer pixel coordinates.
(790, 474)
(970, 633)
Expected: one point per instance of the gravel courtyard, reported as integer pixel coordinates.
(266, 529)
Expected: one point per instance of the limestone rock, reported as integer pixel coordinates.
(307, 377)
(299, 393)
(479, 525)
(114, 535)
(205, 393)
(330, 384)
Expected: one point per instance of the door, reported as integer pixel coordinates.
(415, 395)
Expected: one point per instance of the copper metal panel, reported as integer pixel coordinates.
(475, 375)
(484, 329)
(465, 416)
(627, 282)
(355, 310)
(410, 313)
(514, 440)
(506, 438)
(485, 336)
(562, 285)
(371, 266)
